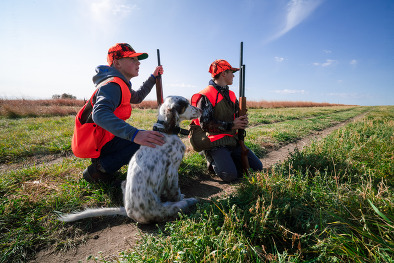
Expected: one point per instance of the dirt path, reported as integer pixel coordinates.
(281, 154)
(120, 234)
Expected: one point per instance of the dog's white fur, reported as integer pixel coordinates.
(151, 192)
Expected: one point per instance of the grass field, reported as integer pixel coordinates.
(331, 202)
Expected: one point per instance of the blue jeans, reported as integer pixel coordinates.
(226, 162)
(116, 153)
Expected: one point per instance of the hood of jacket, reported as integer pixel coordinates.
(104, 72)
(219, 88)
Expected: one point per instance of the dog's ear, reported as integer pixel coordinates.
(181, 106)
(171, 119)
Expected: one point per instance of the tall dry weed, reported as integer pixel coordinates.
(287, 104)
(35, 108)
(61, 107)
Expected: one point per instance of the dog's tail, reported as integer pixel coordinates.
(93, 212)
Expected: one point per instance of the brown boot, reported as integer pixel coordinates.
(95, 174)
(209, 162)
(210, 168)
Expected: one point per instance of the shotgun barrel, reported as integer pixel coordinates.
(241, 77)
(159, 85)
(242, 112)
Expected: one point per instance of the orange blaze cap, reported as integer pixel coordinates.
(123, 50)
(220, 65)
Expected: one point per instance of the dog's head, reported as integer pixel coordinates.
(174, 110)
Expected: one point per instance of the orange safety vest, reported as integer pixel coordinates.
(89, 138)
(214, 97)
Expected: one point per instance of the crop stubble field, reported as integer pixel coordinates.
(331, 202)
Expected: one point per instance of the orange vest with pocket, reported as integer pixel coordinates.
(214, 97)
(89, 138)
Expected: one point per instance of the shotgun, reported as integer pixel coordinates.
(242, 112)
(159, 86)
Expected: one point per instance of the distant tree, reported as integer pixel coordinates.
(64, 96)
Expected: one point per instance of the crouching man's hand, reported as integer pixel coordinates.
(149, 138)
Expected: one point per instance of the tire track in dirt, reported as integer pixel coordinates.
(282, 153)
(113, 235)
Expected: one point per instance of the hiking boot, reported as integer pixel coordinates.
(210, 168)
(95, 174)
(116, 183)
(209, 162)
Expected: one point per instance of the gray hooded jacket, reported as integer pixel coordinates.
(108, 98)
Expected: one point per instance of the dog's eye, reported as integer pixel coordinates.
(181, 107)
(182, 110)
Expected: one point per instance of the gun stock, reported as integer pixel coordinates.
(241, 137)
(159, 86)
(242, 112)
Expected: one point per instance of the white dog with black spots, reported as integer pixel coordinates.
(151, 192)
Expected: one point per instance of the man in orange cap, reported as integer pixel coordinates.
(220, 121)
(101, 131)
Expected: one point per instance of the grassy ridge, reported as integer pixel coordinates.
(26, 137)
(315, 207)
(331, 202)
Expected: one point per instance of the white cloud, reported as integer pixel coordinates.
(297, 11)
(327, 51)
(279, 59)
(109, 9)
(329, 62)
(353, 62)
(104, 17)
(123, 9)
(289, 91)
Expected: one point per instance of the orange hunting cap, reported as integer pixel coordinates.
(220, 65)
(123, 50)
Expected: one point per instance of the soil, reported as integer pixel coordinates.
(114, 234)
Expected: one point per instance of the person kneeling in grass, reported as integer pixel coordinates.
(219, 122)
(101, 132)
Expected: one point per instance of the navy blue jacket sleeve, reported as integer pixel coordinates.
(108, 99)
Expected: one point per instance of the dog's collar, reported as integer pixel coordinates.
(176, 130)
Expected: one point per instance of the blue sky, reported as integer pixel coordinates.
(336, 51)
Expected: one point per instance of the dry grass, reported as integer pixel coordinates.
(62, 107)
(148, 104)
(288, 104)
(34, 108)
(257, 104)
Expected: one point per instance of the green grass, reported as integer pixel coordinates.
(356, 164)
(293, 129)
(266, 116)
(30, 199)
(359, 148)
(332, 202)
(26, 137)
